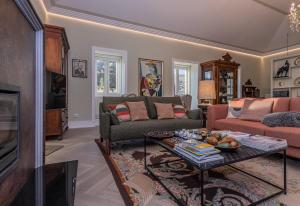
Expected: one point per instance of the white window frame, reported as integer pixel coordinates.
(176, 81)
(123, 70)
(96, 96)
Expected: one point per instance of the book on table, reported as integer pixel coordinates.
(264, 143)
(202, 153)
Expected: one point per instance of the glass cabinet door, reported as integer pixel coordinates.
(226, 85)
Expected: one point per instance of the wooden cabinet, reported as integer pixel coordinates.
(56, 91)
(57, 122)
(56, 49)
(225, 73)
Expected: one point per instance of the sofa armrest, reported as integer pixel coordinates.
(195, 114)
(215, 112)
(104, 122)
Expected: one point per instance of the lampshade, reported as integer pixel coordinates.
(207, 89)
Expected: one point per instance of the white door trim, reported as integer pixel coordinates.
(39, 99)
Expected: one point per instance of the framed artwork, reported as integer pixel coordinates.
(150, 77)
(79, 68)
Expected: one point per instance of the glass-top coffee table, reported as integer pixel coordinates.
(242, 154)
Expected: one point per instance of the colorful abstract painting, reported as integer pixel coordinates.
(150, 77)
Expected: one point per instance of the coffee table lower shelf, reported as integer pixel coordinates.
(148, 168)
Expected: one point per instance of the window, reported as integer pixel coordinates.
(182, 78)
(109, 71)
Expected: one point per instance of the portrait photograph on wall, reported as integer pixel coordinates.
(79, 68)
(150, 77)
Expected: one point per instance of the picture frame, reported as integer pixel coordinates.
(79, 68)
(150, 77)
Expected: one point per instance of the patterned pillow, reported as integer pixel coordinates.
(121, 111)
(282, 119)
(180, 112)
(234, 110)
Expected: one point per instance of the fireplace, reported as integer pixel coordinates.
(9, 127)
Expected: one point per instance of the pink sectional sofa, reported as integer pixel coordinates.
(217, 114)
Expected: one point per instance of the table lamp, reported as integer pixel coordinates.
(207, 91)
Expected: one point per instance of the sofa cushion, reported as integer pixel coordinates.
(292, 135)
(250, 127)
(164, 111)
(281, 104)
(138, 111)
(295, 104)
(137, 129)
(282, 119)
(255, 110)
(151, 107)
(118, 100)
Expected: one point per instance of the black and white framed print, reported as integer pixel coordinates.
(79, 68)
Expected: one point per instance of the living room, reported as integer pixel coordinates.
(107, 91)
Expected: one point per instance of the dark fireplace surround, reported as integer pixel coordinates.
(9, 128)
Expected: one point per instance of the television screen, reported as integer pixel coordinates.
(9, 129)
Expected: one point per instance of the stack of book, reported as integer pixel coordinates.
(202, 154)
(264, 143)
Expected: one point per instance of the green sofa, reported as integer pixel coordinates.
(112, 132)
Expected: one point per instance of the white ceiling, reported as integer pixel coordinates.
(256, 25)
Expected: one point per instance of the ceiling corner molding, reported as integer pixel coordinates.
(282, 51)
(63, 12)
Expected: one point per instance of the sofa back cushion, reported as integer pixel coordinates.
(295, 104)
(118, 100)
(137, 110)
(255, 110)
(281, 104)
(151, 107)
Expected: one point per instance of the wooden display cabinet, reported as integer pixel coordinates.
(225, 73)
(57, 122)
(56, 49)
(56, 91)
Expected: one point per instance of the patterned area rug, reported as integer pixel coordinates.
(223, 186)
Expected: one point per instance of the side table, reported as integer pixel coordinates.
(204, 108)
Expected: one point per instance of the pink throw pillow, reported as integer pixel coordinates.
(164, 111)
(138, 110)
(255, 110)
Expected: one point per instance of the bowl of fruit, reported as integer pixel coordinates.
(223, 143)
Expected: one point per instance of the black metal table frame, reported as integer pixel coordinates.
(181, 158)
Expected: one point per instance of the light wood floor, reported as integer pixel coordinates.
(95, 184)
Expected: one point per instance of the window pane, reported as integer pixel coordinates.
(100, 64)
(182, 79)
(112, 72)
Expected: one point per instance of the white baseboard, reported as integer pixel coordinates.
(82, 124)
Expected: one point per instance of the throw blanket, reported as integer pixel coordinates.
(282, 119)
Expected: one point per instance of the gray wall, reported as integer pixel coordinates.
(82, 36)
